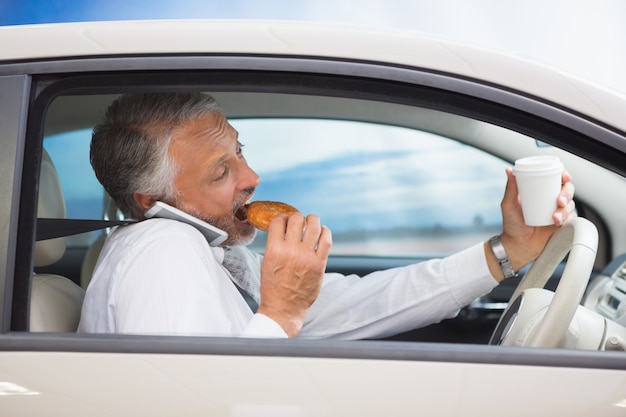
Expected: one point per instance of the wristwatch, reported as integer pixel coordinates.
(503, 259)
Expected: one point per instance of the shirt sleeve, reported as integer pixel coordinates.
(389, 302)
(262, 326)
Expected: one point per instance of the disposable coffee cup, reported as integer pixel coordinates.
(539, 183)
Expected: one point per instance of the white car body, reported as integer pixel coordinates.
(105, 375)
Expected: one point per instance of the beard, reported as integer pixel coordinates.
(228, 223)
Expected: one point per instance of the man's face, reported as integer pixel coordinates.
(214, 180)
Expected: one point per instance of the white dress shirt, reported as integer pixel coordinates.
(160, 276)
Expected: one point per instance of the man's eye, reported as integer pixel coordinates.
(223, 174)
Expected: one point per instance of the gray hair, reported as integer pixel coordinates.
(129, 150)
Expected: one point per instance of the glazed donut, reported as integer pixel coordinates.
(261, 213)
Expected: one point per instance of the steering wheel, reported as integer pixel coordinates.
(537, 317)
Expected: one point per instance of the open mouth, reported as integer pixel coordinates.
(242, 213)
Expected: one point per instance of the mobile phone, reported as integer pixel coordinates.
(212, 234)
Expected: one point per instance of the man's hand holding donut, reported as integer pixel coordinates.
(293, 268)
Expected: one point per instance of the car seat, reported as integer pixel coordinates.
(55, 301)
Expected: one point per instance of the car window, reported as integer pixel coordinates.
(382, 190)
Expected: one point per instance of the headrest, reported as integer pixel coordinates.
(51, 205)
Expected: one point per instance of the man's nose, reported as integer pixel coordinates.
(250, 178)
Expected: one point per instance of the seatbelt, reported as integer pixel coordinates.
(53, 228)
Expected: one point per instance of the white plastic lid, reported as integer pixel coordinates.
(538, 165)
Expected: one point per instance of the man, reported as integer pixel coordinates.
(161, 276)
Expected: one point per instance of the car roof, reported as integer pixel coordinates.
(315, 40)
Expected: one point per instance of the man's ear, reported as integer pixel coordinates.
(143, 201)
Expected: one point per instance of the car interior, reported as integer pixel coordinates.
(63, 265)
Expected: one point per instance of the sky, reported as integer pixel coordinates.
(586, 38)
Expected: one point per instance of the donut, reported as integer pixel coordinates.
(261, 213)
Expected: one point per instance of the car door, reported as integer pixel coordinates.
(67, 373)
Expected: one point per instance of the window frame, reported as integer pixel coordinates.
(338, 78)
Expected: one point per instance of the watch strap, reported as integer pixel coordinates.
(503, 259)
